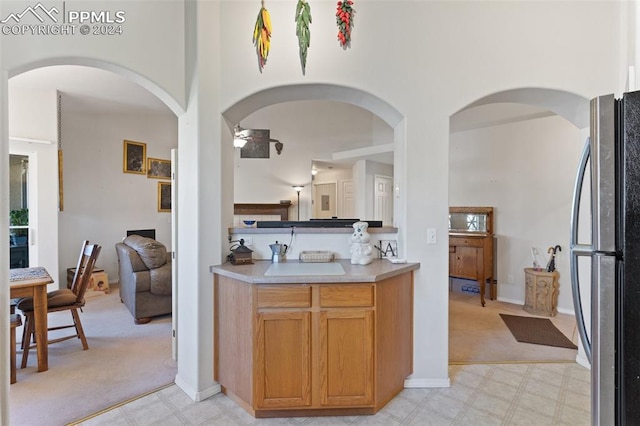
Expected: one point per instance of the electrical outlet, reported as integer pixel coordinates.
(510, 279)
(432, 237)
(248, 241)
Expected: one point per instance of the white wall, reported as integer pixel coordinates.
(458, 52)
(526, 171)
(101, 202)
(33, 115)
(431, 60)
(339, 243)
(309, 130)
(150, 49)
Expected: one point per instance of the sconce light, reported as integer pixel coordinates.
(242, 136)
(298, 188)
(314, 171)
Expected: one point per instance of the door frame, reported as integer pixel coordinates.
(42, 201)
(315, 200)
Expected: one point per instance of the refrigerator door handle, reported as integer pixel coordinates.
(577, 250)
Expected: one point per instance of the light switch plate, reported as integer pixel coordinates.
(432, 237)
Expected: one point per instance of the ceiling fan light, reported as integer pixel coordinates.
(239, 136)
(239, 142)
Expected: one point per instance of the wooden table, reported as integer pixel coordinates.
(32, 282)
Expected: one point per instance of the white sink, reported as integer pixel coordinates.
(292, 269)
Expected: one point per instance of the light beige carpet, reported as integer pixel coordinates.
(124, 360)
(478, 335)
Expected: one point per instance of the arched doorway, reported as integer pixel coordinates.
(518, 151)
(51, 218)
(385, 112)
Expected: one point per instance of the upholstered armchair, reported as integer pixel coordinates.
(145, 277)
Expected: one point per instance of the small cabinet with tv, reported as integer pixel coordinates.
(471, 247)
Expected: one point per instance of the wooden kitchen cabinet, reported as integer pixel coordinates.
(318, 349)
(471, 247)
(346, 337)
(283, 348)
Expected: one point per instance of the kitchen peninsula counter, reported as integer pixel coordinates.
(313, 345)
(378, 270)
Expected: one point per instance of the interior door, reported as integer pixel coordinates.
(42, 194)
(324, 202)
(347, 200)
(383, 207)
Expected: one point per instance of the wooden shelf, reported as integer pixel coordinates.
(281, 209)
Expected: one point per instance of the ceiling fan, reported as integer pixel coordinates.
(241, 136)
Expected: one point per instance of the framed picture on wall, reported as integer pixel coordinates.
(135, 157)
(158, 169)
(164, 196)
(388, 248)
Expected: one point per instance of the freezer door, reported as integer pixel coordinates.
(603, 173)
(629, 298)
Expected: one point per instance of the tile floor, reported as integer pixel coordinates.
(481, 394)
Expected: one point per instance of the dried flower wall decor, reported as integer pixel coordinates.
(344, 21)
(303, 19)
(262, 36)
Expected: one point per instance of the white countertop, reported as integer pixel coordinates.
(257, 273)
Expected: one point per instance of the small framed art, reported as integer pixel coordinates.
(388, 248)
(164, 196)
(158, 169)
(135, 157)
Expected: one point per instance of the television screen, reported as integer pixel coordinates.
(149, 233)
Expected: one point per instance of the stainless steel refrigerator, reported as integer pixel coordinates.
(610, 167)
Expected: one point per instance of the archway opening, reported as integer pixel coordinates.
(518, 152)
(99, 106)
(366, 129)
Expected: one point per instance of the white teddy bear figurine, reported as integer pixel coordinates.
(361, 252)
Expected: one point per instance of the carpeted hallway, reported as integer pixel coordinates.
(124, 360)
(479, 335)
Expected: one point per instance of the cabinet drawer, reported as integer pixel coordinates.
(346, 295)
(284, 296)
(466, 242)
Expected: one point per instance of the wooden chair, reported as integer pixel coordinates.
(14, 321)
(66, 299)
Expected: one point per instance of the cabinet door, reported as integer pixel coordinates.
(283, 363)
(346, 357)
(467, 262)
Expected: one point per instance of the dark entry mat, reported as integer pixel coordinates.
(539, 331)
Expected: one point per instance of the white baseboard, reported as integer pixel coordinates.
(513, 301)
(567, 311)
(427, 383)
(521, 302)
(196, 395)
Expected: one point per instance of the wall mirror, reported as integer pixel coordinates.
(471, 219)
